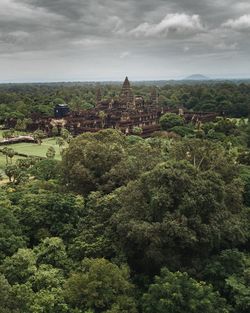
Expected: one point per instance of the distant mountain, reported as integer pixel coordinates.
(197, 77)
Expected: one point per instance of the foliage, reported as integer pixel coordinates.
(229, 273)
(51, 152)
(245, 176)
(11, 237)
(176, 208)
(46, 212)
(46, 169)
(170, 120)
(38, 136)
(100, 286)
(179, 293)
(104, 161)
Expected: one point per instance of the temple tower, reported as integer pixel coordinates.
(126, 95)
(98, 96)
(154, 96)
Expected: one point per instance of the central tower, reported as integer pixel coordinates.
(126, 95)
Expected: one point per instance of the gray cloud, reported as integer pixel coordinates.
(106, 39)
(240, 24)
(172, 23)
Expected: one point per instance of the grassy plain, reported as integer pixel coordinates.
(31, 150)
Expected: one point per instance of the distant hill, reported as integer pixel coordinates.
(197, 77)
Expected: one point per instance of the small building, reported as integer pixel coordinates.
(61, 110)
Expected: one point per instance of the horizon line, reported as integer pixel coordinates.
(132, 80)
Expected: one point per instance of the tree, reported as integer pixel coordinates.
(100, 286)
(20, 266)
(229, 274)
(102, 116)
(11, 237)
(183, 131)
(52, 251)
(54, 131)
(11, 171)
(9, 154)
(206, 155)
(16, 174)
(38, 136)
(8, 133)
(239, 291)
(225, 126)
(31, 288)
(20, 125)
(248, 135)
(45, 212)
(6, 298)
(176, 208)
(65, 134)
(94, 237)
(51, 152)
(88, 160)
(46, 169)
(46, 277)
(245, 176)
(137, 131)
(58, 101)
(105, 161)
(49, 300)
(169, 120)
(179, 293)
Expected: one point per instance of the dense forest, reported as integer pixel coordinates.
(129, 225)
(23, 100)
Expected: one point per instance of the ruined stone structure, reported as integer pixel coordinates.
(125, 113)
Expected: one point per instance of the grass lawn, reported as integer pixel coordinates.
(31, 149)
(35, 149)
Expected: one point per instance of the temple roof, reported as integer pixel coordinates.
(126, 83)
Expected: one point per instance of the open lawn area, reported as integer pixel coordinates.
(36, 149)
(32, 150)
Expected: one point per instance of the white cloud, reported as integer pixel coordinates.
(240, 24)
(88, 42)
(125, 54)
(171, 23)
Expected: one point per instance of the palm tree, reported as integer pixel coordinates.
(9, 154)
(102, 116)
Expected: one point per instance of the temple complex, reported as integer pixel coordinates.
(126, 113)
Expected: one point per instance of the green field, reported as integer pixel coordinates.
(31, 149)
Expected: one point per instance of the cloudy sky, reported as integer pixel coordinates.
(65, 40)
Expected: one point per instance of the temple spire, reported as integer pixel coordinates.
(154, 96)
(98, 95)
(126, 83)
(126, 95)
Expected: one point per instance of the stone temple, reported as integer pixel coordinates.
(129, 113)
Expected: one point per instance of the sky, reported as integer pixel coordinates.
(96, 40)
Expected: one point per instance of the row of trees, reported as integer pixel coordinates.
(21, 101)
